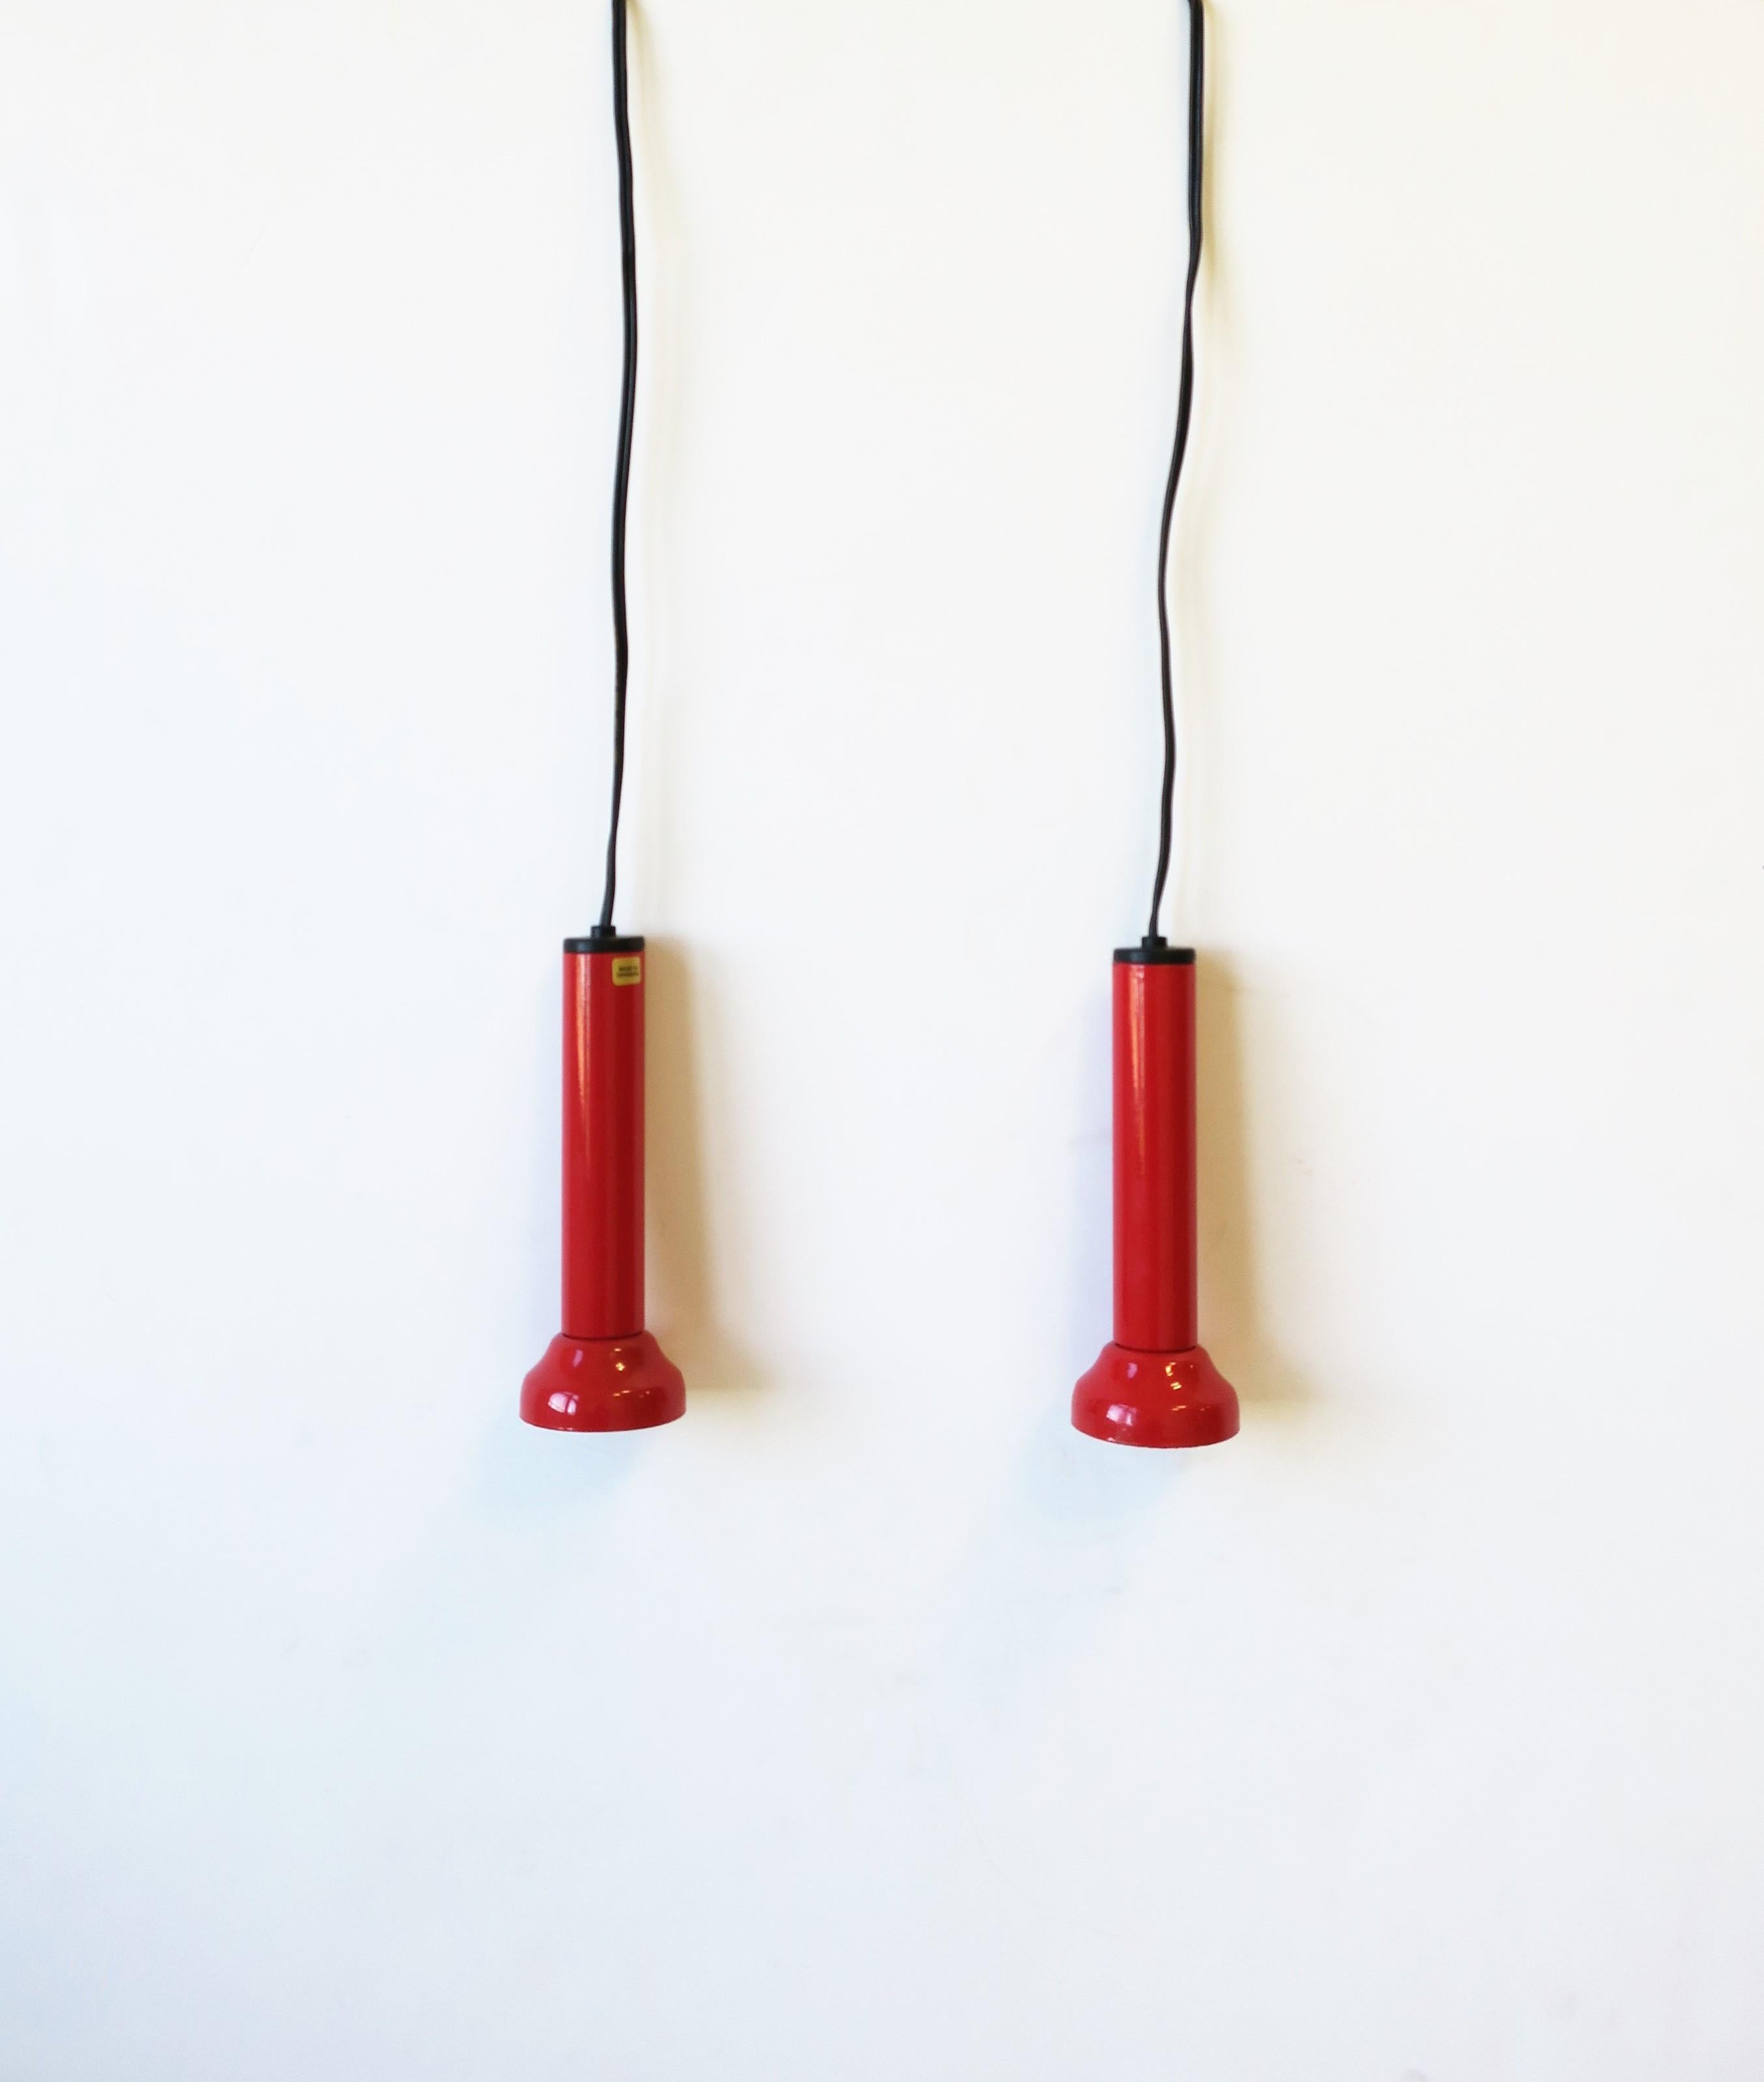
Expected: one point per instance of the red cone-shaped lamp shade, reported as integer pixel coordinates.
(604, 1372)
(1153, 1385)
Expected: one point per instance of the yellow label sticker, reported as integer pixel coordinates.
(628, 968)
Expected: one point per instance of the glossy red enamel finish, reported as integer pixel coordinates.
(604, 1372)
(1156, 1256)
(603, 1384)
(603, 1146)
(1165, 1399)
(1153, 1385)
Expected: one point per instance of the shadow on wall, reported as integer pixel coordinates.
(1233, 1315)
(682, 1258)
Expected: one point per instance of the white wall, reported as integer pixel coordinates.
(870, 1725)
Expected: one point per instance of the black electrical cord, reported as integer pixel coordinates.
(1197, 42)
(627, 415)
(627, 420)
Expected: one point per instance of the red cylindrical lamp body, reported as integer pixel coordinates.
(604, 1372)
(603, 1143)
(1157, 1268)
(1153, 1385)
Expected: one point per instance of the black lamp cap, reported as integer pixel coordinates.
(1156, 954)
(603, 940)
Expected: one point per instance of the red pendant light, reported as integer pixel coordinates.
(604, 1372)
(1154, 1385)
